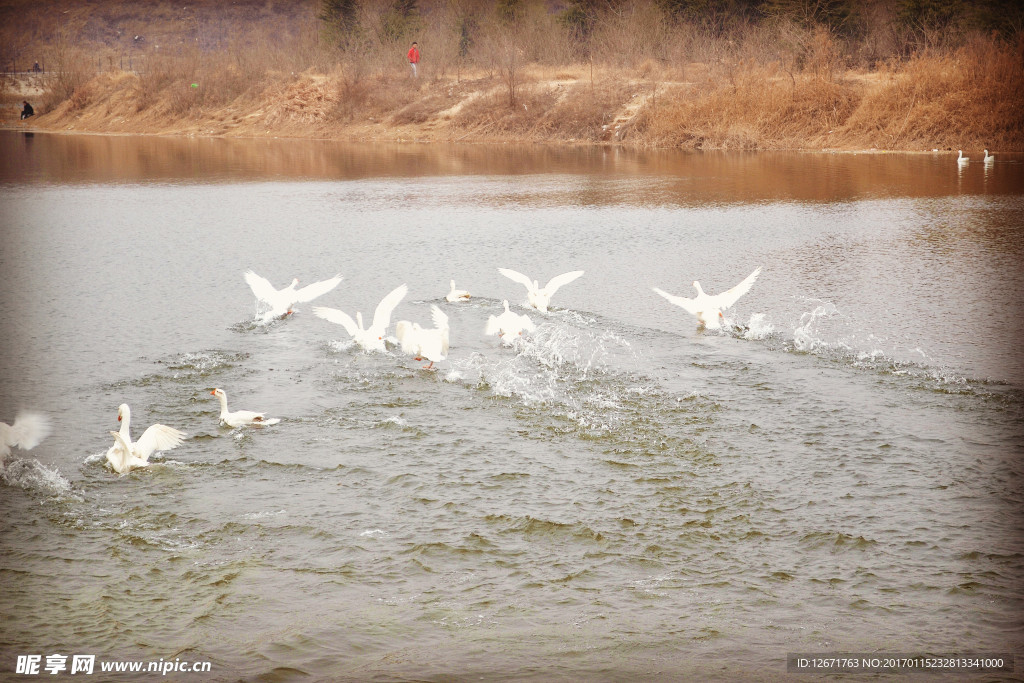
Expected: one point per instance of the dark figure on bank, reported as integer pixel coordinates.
(27, 111)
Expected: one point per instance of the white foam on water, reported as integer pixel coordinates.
(758, 327)
(34, 477)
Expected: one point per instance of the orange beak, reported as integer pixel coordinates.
(213, 393)
(118, 418)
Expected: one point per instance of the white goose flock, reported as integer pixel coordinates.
(423, 343)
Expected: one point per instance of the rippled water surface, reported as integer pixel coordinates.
(618, 495)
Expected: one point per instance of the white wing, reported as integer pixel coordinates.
(688, 304)
(406, 334)
(493, 325)
(338, 318)
(729, 297)
(28, 430)
(439, 318)
(517, 277)
(441, 323)
(157, 438)
(527, 324)
(261, 287)
(559, 280)
(310, 292)
(382, 314)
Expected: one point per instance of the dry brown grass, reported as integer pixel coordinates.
(760, 107)
(971, 98)
(260, 67)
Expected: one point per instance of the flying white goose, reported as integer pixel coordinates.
(708, 308)
(429, 343)
(125, 455)
(508, 324)
(989, 158)
(371, 339)
(961, 159)
(240, 417)
(282, 300)
(540, 297)
(457, 294)
(27, 431)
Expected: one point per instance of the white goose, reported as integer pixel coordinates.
(282, 300)
(429, 343)
(961, 159)
(508, 324)
(457, 294)
(125, 455)
(540, 297)
(240, 417)
(708, 308)
(989, 158)
(27, 431)
(371, 339)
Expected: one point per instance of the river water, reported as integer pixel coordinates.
(618, 495)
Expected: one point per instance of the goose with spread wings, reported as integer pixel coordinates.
(281, 301)
(125, 455)
(28, 430)
(425, 342)
(707, 307)
(372, 338)
(508, 325)
(537, 296)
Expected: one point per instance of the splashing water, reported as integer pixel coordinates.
(806, 336)
(34, 477)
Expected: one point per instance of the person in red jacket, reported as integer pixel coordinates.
(414, 58)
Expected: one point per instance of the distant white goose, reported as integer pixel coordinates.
(457, 294)
(961, 159)
(240, 417)
(125, 455)
(540, 297)
(708, 308)
(282, 300)
(28, 430)
(508, 325)
(989, 158)
(371, 339)
(429, 343)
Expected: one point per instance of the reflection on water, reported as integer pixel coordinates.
(683, 178)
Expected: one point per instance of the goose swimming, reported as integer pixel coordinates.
(457, 294)
(240, 417)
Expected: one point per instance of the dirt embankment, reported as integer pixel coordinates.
(924, 107)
